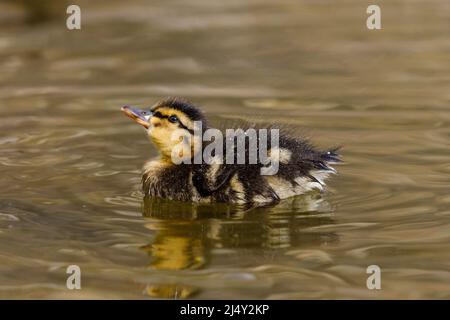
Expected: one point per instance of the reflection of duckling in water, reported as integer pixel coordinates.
(301, 167)
(185, 235)
(191, 236)
(175, 252)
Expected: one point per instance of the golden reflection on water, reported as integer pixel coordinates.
(186, 238)
(169, 291)
(175, 252)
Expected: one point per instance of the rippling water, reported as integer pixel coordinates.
(70, 161)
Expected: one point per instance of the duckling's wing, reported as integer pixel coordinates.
(210, 178)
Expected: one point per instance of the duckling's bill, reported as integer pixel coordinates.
(142, 117)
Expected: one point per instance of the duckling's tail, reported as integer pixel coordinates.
(322, 167)
(331, 156)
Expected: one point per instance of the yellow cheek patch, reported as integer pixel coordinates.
(162, 132)
(156, 122)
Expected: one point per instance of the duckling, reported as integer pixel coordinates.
(300, 167)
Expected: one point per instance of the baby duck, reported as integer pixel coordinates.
(300, 167)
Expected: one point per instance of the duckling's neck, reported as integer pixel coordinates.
(167, 158)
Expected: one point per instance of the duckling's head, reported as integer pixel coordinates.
(170, 124)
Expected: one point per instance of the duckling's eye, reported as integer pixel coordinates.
(173, 119)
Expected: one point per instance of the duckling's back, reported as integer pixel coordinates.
(301, 168)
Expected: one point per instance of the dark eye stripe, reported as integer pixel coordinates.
(181, 125)
(159, 115)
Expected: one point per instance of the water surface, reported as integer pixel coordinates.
(70, 161)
